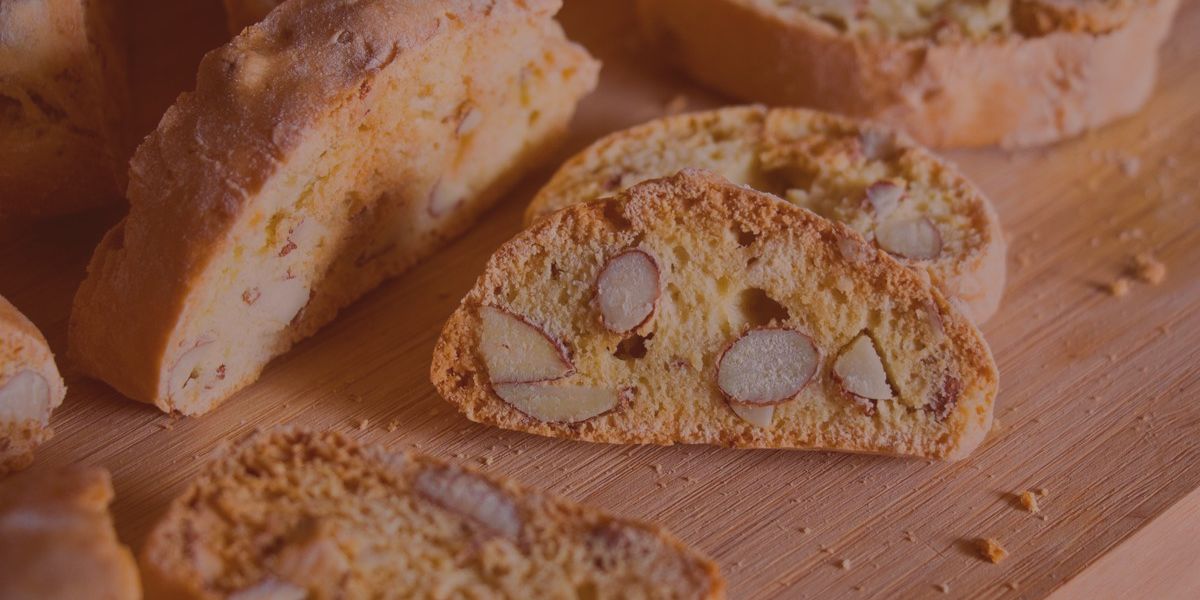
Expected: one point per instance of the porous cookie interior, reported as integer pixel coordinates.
(429, 142)
(294, 512)
(730, 261)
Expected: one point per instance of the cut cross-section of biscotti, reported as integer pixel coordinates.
(295, 514)
(325, 149)
(913, 205)
(57, 540)
(30, 388)
(759, 325)
(63, 103)
(950, 72)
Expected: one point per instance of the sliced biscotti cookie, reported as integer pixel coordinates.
(325, 149)
(296, 514)
(57, 540)
(913, 205)
(950, 72)
(63, 102)
(30, 388)
(693, 310)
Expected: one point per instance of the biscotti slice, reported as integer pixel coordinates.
(950, 72)
(30, 388)
(296, 514)
(325, 149)
(63, 103)
(913, 205)
(241, 14)
(693, 310)
(57, 540)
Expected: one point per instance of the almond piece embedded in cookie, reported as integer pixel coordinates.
(767, 366)
(558, 404)
(472, 497)
(24, 397)
(279, 301)
(627, 290)
(759, 416)
(187, 367)
(516, 351)
(917, 238)
(860, 370)
(883, 197)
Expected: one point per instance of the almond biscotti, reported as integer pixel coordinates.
(30, 388)
(693, 310)
(297, 514)
(325, 149)
(906, 201)
(950, 72)
(57, 540)
(63, 102)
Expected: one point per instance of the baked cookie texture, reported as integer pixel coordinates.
(324, 150)
(693, 310)
(290, 513)
(30, 389)
(950, 72)
(63, 103)
(57, 540)
(866, 176)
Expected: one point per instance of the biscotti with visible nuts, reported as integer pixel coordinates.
(950, 72)
(63, 105)
(296, 514)
(57, 540)
(30, 389)
(913, 205)
(325, 149)
(693, 310)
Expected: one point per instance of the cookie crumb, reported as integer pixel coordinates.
(486, 461)
(1012, 585)
(991, 550)
(1042, 491)
(1029, 501)
(943, 588)
(658, 468)
(676, 104)
(1118, 288)
(1149, 269)
(910, 536)
(393, 425)
(844, 564)
(363, 423)
(806, 530)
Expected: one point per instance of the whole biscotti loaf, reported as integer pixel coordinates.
(30, 388)
(693, 310)
(63, 103)
(908, 202)
(325, 149)
(950, 72)
(57, 540)
(296, 514)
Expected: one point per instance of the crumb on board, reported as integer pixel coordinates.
(844, 564)
(486, 461)
(1042, 491)
(1149, 269)
(1118, 287)
(393, 425)
(1012, 585)
(806, 530)
(991, 550)
(363, 424)
(1029, 501)
(943, 588)
(658, 468)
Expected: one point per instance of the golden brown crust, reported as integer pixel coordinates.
(313, 485)
(57, 539)
(23, 348)
(770, 142)
(1077, 68)
(701, 199)
(63, 102)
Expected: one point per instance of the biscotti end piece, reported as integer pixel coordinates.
(57, 540)
(30, 389)
(316, 515)
(63, 103)
(905, 200)
(951, 73)
(762, 325)
(325, 149)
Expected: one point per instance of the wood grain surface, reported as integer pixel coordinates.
(1100, 400)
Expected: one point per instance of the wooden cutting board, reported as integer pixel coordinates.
(1100, 400)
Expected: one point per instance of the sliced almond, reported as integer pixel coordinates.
(469, 118)
(445, 196)
(916, 238)
(187, 368)
(627, 290)
(883, 197)
(767, 366)
(472, 497)
(280, 300)
(860, 370)
(759, 416)
(25, 397)
(558, 403)
(516, 351)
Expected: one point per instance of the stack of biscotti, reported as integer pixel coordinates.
(693, 310)
(950, 72)
(63, 102)
(296, 514)
(57, 540)
(30, 388)
(325, 149)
